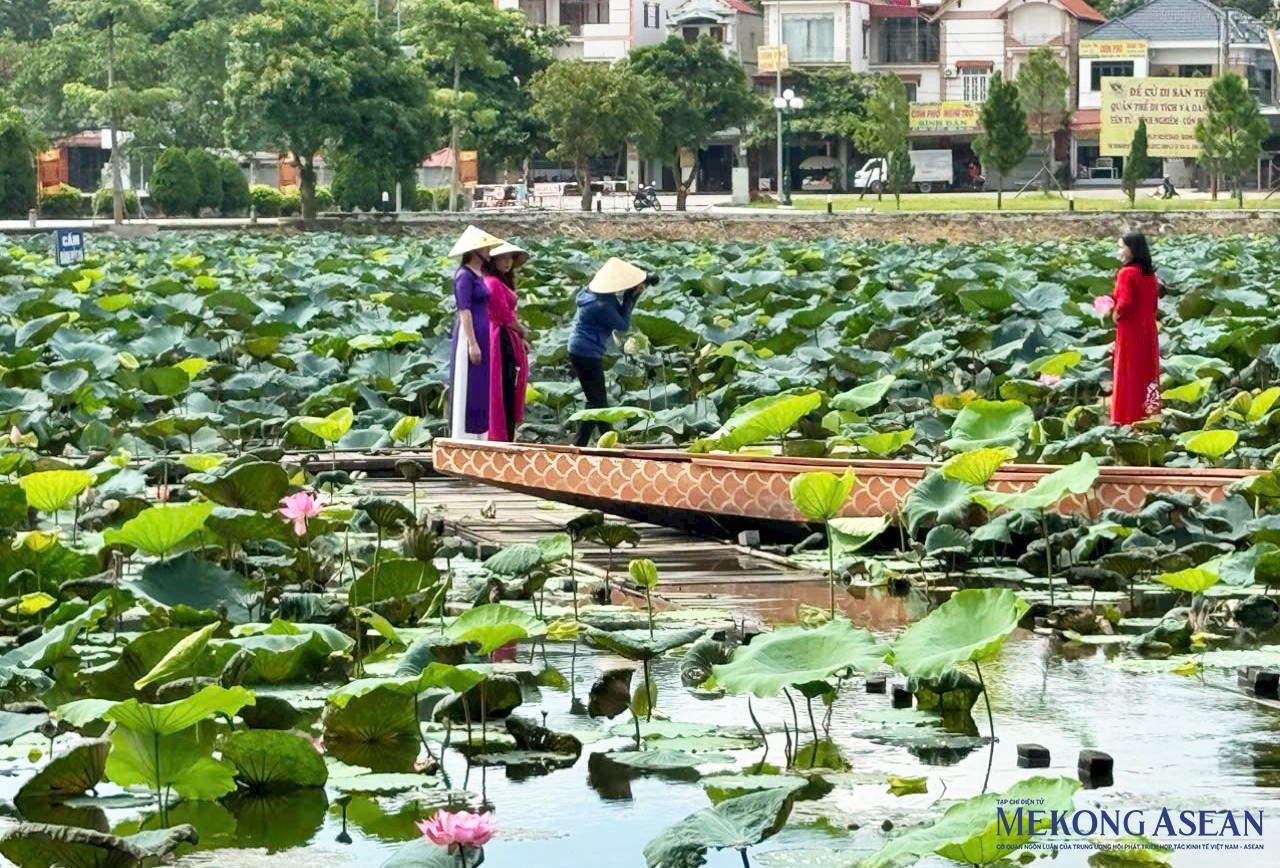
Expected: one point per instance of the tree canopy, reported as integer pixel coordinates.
(1004, 141)
(1233, 130)
(696, 92)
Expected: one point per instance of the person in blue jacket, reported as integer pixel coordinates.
(604, 307)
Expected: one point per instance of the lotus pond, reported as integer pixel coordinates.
(220, 653)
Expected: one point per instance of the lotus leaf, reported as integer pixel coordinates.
(189, 580)
(970, 831)
(969, 627)
(938, 500)
(494, 625)
(39, 845)
(174, 717)
(181, 659)
(1195, 580)
(270, 761)
(254, 485)
(643, 572)
(864, 397)
(794, 655)
(820, 495)
(51, 490)
(977, 466)
(1210, 444)
(734, 824)
(760, 420)
(1075, 478)
(983, 424)
(75, 772)
(517, 560)
(640, 644)
(158, 529)
(852, 533)
(328, 428)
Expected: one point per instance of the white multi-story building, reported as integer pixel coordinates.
(600, 30)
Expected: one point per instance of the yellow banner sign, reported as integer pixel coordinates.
(1113, 48)
(944, 117)
(1170, 106)
(771, 58)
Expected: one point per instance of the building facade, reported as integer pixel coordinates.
(1167, 38)
(599, 30)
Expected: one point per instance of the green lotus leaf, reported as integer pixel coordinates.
(1188, 393)
(887, 443)
(1075, 478)
(328, 428)
(969, 627)
(970, 831)
(381, 714)
(643, 573)
(493, 625)
(664, 759)
(433, 676)
(190, 580)
(70, 774)
(938, 500)
(852, 533)
(610, 415)
(254, 485)
(56, 642)
(638, 644)
(1056, 364)
(392, 579)
(947, 540)
(982, 424)
(1258, 563)
(173, 717)
(158, 529)
(13, 725)
(794, 655)
(865, 396)
(271, 761)
(612, 534)
(40, 845)
(517, 560)
(977, 466)
(821, 495)
(421, 853)
(386, 512)
(734, 824)
(177, 760)
(759, 420)
(181, 659)
(51, 490)
(1194, 580)
(1210, 444)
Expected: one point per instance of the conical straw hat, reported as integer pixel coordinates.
(521, 255)
(616, 276)
(474, 238)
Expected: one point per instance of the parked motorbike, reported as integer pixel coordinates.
(646, 196)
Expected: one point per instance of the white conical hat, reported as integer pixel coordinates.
(474, 238)
(616, 275)
(521, 255)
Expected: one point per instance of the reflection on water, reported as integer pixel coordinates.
(1177, 742)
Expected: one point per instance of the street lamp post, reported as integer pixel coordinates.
(785, 104)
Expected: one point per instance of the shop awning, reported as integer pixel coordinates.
(883, 11)
(1086, 120)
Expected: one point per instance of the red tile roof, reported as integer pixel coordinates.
(740, 6)
(1083, 10)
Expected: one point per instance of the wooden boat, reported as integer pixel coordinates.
(731, 492)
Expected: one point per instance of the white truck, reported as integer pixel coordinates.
(933, 172)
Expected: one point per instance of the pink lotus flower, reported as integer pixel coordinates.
(459, 829)
(299, 507)
(1103, 304)
(1050, 379)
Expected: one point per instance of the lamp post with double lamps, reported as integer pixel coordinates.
(785, 104)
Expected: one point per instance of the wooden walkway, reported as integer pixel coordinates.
(683, 559)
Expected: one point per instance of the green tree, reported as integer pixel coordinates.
(457, 35)
(1042, 86)
(888, 120)
(1004, 141)
(235, 187)
(357, 184)
(306, 74)
(696, 92)
(592, 110)
(173, 187)
(835, 101)
(1137, 168)
(207, 178)
(899, 171)
(18, 147)
(1232, 131)
(27, 20)
(116, 100)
